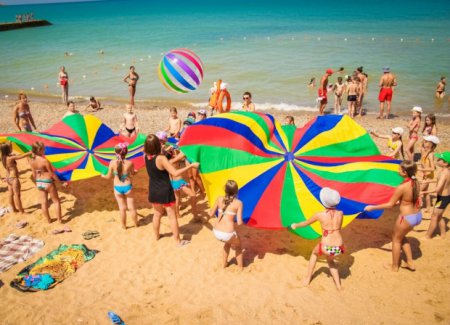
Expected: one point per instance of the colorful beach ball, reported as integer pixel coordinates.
(180, 70)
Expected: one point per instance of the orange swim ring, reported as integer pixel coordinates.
(219, 93)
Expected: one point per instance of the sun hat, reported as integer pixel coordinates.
(398, 130)
(432, 138)
(445, 156)
(202, 112)
(329, 71)
(386, 69)
(417, 109)
(161, 135)
(329, 197)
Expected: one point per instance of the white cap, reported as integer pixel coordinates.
(417, 109)
(202, 111)
(432, 138)
(329, 197)
(398, 130)
(161, 135)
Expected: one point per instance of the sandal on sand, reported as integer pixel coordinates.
(90, 234)
(60, 231)
(21, 224)
(115, 318)
(183, 243)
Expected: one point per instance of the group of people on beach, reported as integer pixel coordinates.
(166, 167)
(355, 87)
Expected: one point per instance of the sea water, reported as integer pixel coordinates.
(270, 48)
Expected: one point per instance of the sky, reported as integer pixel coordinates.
(22, 2)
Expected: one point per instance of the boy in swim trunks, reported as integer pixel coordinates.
(443, 195)
(331, 244)
(129, 126)
(175, 124)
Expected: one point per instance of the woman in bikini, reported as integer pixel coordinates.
(131, 79)
(130, 126)
(45, 179)
(9, 161)
(22, 115)
(229, 208)
(413, 126)
(429, 128)
(410, 215)
(123, 170)
(161, 194)
(64, 83)
(331, 244)
(440, 89)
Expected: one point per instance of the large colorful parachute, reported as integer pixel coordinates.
(80, 146)
(281, 170)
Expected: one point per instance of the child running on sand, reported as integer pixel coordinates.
(410, 215)
(175, 123)
(229, 208)
(178, 183)
(129, 126)
(427, 166)
(413, 126)
(443, 195)
(9, 161)
(395, 143)
(45, 179)
(331, 244)
(123, 170)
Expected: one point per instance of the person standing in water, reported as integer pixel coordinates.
(387, 83)
(64, 83)
(440, 89)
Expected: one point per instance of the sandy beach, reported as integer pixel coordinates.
(149, 282)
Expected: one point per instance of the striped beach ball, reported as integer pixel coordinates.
(180, 70)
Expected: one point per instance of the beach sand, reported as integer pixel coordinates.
(149, 282)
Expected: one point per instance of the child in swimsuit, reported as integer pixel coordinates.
(429, 128)
(22, 115)
(229, 208)
(427, 167)
(45, 179)
(123, 170)
(443, 195)
(410, 215)
(395, 143)
(12, 175)
(129, 127)
(331, 244)
(178, 183)
(413, 127)
(339, 89)
(175, 124)
(94, 104)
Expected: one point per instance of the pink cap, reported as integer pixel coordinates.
(329, 71)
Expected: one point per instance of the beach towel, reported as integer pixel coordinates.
(58, 265)
(15, 249)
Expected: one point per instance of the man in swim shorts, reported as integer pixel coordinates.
(322, 92)
(387, 83)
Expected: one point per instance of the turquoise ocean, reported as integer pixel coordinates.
(271, 48)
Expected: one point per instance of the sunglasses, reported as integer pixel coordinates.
(245, 97)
